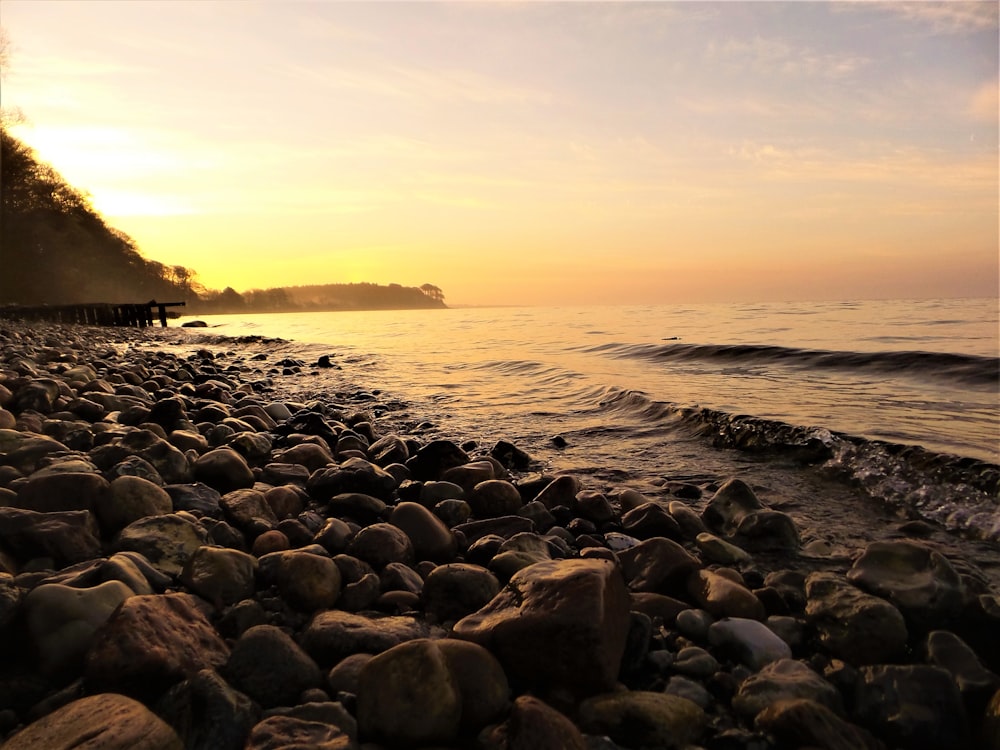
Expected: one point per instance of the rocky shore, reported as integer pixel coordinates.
(189, 557)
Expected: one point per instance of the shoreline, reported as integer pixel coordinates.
(319, 520)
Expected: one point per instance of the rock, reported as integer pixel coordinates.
(358, 507)
(505, 527)
(62, 492)
(104, 722)
(62, 620)
(643, 719)
(408, 696)
(750, 641)
(380, 544)
(26, 450)
(310, 455)
(333, 635)
(534, 725)
(657, 565)
(852, 625)
(307, 581)
(560, 623)
(518, 552)
(66, 537)
(271, 668)
(218, 575)
(253, 446)
(11, 597)
(389, 449)
(919, 581)
(249, 511)
(197, 498)
(802, 722)
(451, 592)
(290, 733)
(399, 577)
(560, 491)
(723, 597)
(731, 503)
(151, 643)
(494, 498)
(224, 470)
(593, 506)
(720, 551)
(433, 459)
(270, 541)
(651, 520)
(660, 608)
(683, 687)
(429, 537)
(285, 501)
(695, 662)
(343, 678)
(353, 475)
(481, 682)
(207, 713)
(767, 531)
(694, 624)
(129, 499)
(976, 683)
(916, 707)
(784, 679)
(166, 541)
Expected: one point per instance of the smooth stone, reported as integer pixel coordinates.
(102, 722)
(469, 475)
(151, 643)
(534, 725)
(494, 498)
(723, 597)
(271, 668)
(388, 449)
(63, 491)
(285, 502)
(381, 544)
(62, 620)
(399, 577)
(694, 624)
(854, 626)
(310, 455)
(594, 506)
(407, 695)
(197, 498)
(561, 491)
(562, 623)
(290, 733)
(784, 679)
(430, 538)
(166, 541)
(224, 470)
(188, 440)
(357, 506)
(433, 459)
(650, 520)
(432, 493)
(481, 681)
(452, 591)
(917, 707)
(320, 709)
(129, 499)
(26, 450)
(805, 723)
(253, 446)
(270, 541)
(683, 687)
(344, 676)
(66, 537)
(333, 634)
(249, 511)
(660, 608)
(976, 683)
(643, 719)
(730, 504)
(752, 642)
(695, 662)
(353, 475)
(11, 597)
(720, 551)
(208, 713)
(307, 581)
(918, 580)
(218, 575)
(767, 531)
(505, 527)
(658, 565)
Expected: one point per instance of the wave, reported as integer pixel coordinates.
(967, 369)
(962, 494)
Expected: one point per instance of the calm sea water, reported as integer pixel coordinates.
(896, 400)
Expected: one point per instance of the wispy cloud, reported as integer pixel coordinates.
(952, 16)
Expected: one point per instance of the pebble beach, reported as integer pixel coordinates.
(194, 556)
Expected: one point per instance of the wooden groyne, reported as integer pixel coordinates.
(94, 314)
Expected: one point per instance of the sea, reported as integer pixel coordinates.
(854, 417)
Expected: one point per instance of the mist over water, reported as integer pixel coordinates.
(898, 398)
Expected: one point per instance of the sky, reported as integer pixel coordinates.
(533, 152)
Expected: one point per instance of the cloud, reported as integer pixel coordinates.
(985, 103)
(952, 17)
(776, 56)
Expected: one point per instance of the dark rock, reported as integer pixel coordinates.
(223, 469)
(333, 635)
(534, 725)
(269, 667)
(805, 723)
(207, 713)
(67, 537)
(657, 565)
(433, 459)
(353, 475)
(451, 592)
(643, 719)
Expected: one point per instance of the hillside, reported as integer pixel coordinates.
(56, 249)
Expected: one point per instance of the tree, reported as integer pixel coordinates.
(433, 292)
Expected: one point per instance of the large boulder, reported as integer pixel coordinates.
(658, 565)
(560, 623)
(67, 537)
(267, 665)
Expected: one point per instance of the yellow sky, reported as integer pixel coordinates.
(531, 153)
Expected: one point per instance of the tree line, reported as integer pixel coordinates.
(55, 248)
